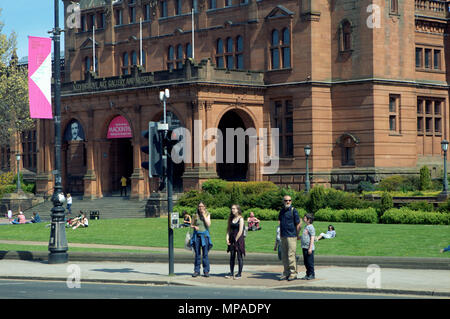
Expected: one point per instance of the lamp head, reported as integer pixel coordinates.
(18, 157)
(307, 150)
(444, 145)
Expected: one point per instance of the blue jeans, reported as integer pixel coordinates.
(309, 262)
(69, 208)
(198, 248)
(447, 248)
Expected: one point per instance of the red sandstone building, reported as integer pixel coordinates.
(365, 83)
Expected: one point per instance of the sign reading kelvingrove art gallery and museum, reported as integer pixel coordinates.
(119, 128)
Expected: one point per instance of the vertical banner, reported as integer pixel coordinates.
(39, 77)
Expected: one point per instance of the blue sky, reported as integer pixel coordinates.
(29, 18)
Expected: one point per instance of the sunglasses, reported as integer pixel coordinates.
(288, 200)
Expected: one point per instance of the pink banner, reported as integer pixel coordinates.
(119, 128)
(39, 77)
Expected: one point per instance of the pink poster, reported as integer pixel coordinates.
(39, 77)
(119, 128)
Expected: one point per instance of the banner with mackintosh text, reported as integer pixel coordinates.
(39, 77)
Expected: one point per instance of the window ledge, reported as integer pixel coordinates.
(429, 70)
(280, 70)
(346, 51)
(395, 134)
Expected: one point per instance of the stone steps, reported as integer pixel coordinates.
(109, 208)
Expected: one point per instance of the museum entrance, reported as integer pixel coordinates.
(238, 168)
(120, 154)
(121, 163)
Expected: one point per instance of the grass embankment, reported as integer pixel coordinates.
(351, 240)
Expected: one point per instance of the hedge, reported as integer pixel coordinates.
(224, 212)
(405, 215)
(368, 215)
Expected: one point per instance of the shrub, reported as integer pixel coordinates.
(365, 186)
(316, 199)
(265, 214)
(444, 207)
(236, 196)
(392, 183)
(340, 200)
(219, 212)
(421, 205)
(214, 186)
(190, 210)
(425, 178)
(252, 187)
(368, 215)
(405, 215)
(386, 202)
(7, 178)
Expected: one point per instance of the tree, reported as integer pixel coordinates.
(425, 178)
(14, 109)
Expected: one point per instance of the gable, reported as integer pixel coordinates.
(279, 12)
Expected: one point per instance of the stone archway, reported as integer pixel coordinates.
(234, 166)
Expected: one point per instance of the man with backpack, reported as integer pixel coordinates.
(290, 224)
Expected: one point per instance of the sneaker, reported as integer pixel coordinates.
(293, 277)
(206, 274)
(310, 278)
(195, 274)
(283, 277)
(238, 276)
(229, 275)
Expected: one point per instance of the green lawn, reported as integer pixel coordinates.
(351, 240)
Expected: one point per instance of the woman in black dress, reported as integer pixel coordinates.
(235, 240)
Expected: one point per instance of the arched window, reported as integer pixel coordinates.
(188, 50)
(219, 53)
(170, 58)
(239, 52)
(229, 53)
(394, 7)
(286, 48)
(125, 63)
(179, 60)
(144, 58)
(346, 36)
(275, 50)
(87, 64)
(133, 58)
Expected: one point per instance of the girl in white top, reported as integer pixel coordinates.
(331, 233)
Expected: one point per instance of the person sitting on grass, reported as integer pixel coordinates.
(36, 218)
(20, 219)
(331, 233)
(187, 220)
(445, 249)
(253, 222)
(83, 221)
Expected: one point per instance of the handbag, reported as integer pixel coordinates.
(187, 241)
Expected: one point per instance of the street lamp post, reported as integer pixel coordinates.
(444, 193)
(307, 183)
(57, 245)
(167, 162)
(18, 172)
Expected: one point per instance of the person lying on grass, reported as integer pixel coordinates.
(331, 233)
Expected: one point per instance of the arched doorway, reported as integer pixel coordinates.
(236, 170)
(120, 153)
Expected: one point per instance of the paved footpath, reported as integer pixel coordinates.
(336, 274)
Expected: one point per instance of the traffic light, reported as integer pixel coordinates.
(170, 141)
(154, 150)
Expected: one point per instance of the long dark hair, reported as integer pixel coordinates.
(198, 215)
(230, 218)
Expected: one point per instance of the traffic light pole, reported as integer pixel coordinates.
(167, 160)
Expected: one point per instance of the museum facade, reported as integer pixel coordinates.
(364, 83)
